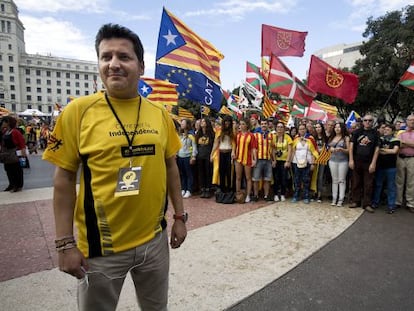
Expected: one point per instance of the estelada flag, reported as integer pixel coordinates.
(407, 79)
(282, 42)
(158, 91)
(325, 79)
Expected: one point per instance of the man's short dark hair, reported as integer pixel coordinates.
(109, 31)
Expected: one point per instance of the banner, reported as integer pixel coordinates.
(282, 42)
(325, 79)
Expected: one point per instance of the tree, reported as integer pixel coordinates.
(387, 54)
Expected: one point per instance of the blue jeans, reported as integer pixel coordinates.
(186, 173)
(388, 174)
(302, 177)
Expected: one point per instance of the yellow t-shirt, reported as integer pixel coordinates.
(88, 133)
(282, 145)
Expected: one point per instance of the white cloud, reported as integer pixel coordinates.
(96, 6)
(64, 41)
(238, 9)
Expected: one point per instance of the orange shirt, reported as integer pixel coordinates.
(245, 143)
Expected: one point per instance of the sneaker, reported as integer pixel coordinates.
(294, 200)
(247, 200)
(255, 198)
(339, 204)
(282, 198)
(319, 200)
(267, 198)
(391, 211)
(187, 194)
(306, 201)
(333, 204)
(369, 209)
(276, 198)
(182, 192)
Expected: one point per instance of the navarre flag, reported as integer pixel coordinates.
(282, 42)
(325, 79)
(283, 82)
(407, 78)
(188, 60)
(254, 77)
(353, 117)
(158, 91)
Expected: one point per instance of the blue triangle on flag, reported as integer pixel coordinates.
(169, 37)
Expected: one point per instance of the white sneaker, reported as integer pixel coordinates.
(247, 200)
(282, 198)
(339, 204)
(187, 194)
(182, 192)
(276, 198)
(333, 203)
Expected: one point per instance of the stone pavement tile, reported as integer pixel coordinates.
(23, 247)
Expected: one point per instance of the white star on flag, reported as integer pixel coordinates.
(170, 38)
(144, 89)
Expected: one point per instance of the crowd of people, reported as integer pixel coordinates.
(366, 164)
(18, 139)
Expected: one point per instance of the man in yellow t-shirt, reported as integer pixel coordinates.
(126, 148)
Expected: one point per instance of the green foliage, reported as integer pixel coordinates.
(387, 53)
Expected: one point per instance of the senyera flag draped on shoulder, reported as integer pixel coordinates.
(325, 79)
(282, 42)
(188, 60)
(158, 91)
(282, 81)
(407, 79)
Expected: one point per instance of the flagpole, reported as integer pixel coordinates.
(388, 99)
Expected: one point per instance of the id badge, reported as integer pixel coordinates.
(128, 181)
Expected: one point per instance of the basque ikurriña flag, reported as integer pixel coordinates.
(188, 60)
(407, 79)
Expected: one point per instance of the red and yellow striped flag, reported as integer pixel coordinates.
(226, 111)
(185, 114)
(269, 108)
(158, 91)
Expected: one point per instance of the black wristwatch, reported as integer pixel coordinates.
(183, 217)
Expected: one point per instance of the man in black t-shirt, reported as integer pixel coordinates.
(363, 155)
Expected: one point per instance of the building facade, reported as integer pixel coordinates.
(32, 81)
(341, 55)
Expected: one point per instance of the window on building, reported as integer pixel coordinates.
(12, 87)
(67, 65)
(38, 72)
(9, 28)
(13, 96)
(67, 92)
(49, 99)
(39, 62)
(77, 67)
(58, 74)
(38, 81)
(28, 71)
(10, 58)
(49, 63)
(67, 83)
(86, 77)
(59, 65)
(1, 57)
(3, 26)
(28, 89)
(10, 46)
(49, 109)
(49, 90)
(39, 107)
(11, 69)
(11, 79)
(39, 99)
(1, 78)
(86, 67)
(28, 80)
(39, 90)
(29, 61)
(77, 92)
(77, 84)
(48, 73)
(1, 68)
(2, 7)
(86, 84)
(59, 91)
(86, 92)
(29, 98)
(1, 95)
(48, 82)
(58, 83)
(77, 76)
(68, 75)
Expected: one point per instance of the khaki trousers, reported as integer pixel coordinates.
(405, 176)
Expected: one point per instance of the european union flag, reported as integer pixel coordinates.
(191, 62)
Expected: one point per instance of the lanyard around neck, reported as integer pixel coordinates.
(129, 140)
